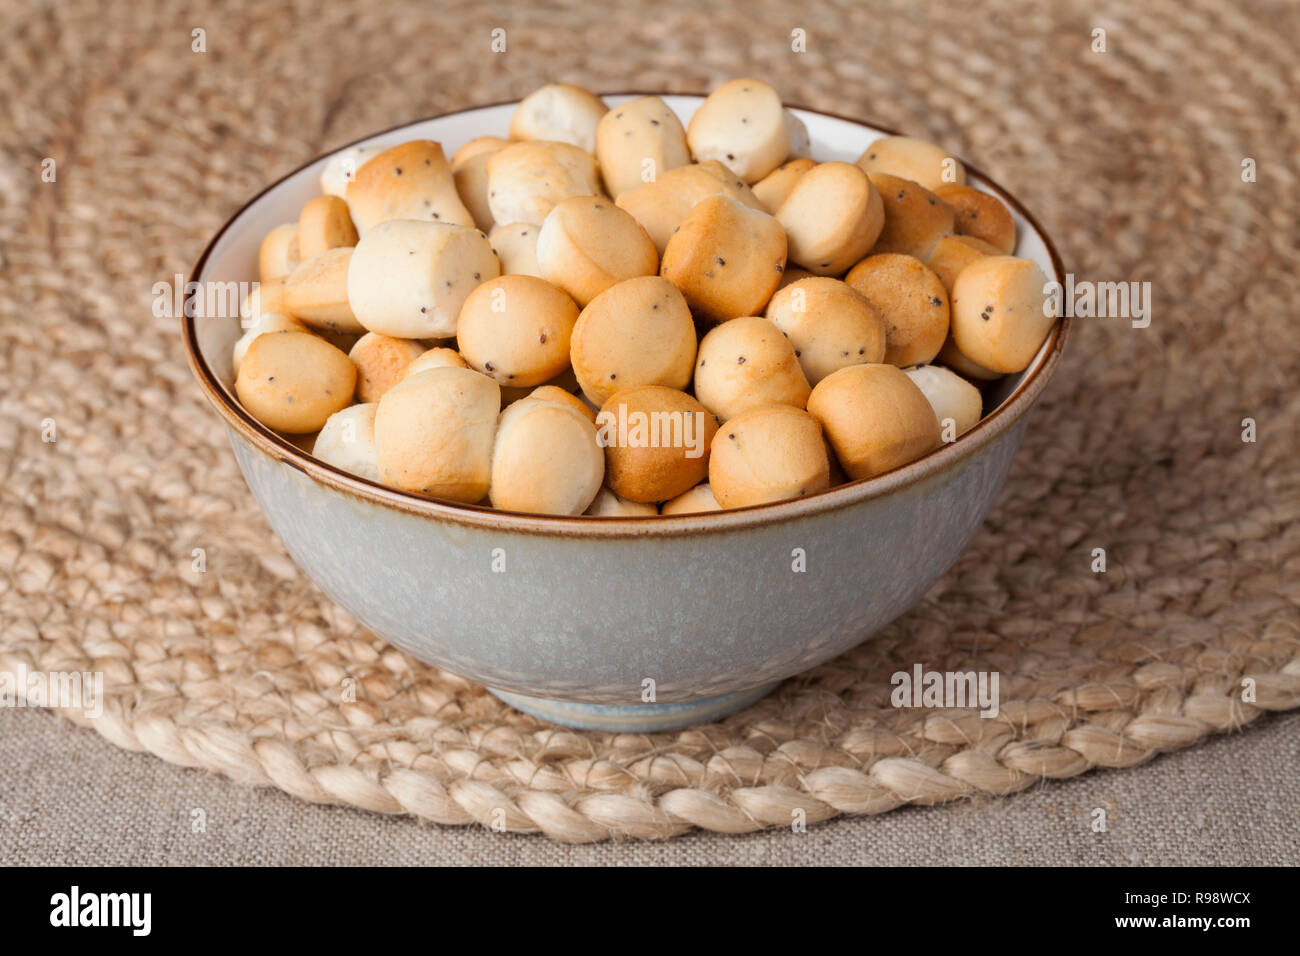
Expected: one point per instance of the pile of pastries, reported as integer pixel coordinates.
(608, 313)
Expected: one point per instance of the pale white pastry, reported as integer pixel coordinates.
(637, 141)
(742, 125)
(527, 179)
(408, 279)
(559, 112)
(953, 398)
(347, 441)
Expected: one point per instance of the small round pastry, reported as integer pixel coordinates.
(829, 324)
(469, 172)
(832, 217)
(726, 258)
(656, 442)
(638, 332)
(876, 418)
(637, 141)
(324, 223)
(546, 459)
(588, 244)
(911, 300)
(742, 125)
(746, 363)
(516, 329)
(317, 291)
(278, 254)
(559, 112)
(768, 454)
(409, 279)
(772, 189)
(266, 297)
(951, 357)
(998, 318)
(294, 381)
(409, 181)
(381, 362)
(951, 254)
(956, 402)
(342, 169)
(527, 179)
(916, 159)
(435, 358)
(915, 218)
(696, 501)
(347, 441)
(660, 206)
(981, 215)
(606, 504)
(266, 322)
(558, 396)
(516, 246)
(434, 433)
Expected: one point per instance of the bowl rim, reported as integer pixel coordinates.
(942, 460)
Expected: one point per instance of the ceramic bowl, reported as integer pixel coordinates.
(621, 624)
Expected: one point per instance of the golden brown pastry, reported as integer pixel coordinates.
(876, 418)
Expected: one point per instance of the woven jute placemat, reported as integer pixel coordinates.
(1132, 158)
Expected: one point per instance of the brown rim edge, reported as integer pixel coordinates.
(943, 459)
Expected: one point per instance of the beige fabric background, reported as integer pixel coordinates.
(68, 796)
(1130, 158)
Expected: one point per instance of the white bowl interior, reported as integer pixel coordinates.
(234, 256)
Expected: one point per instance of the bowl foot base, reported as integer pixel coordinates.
(637, 718)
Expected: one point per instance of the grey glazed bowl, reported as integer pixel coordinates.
(632, 624)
